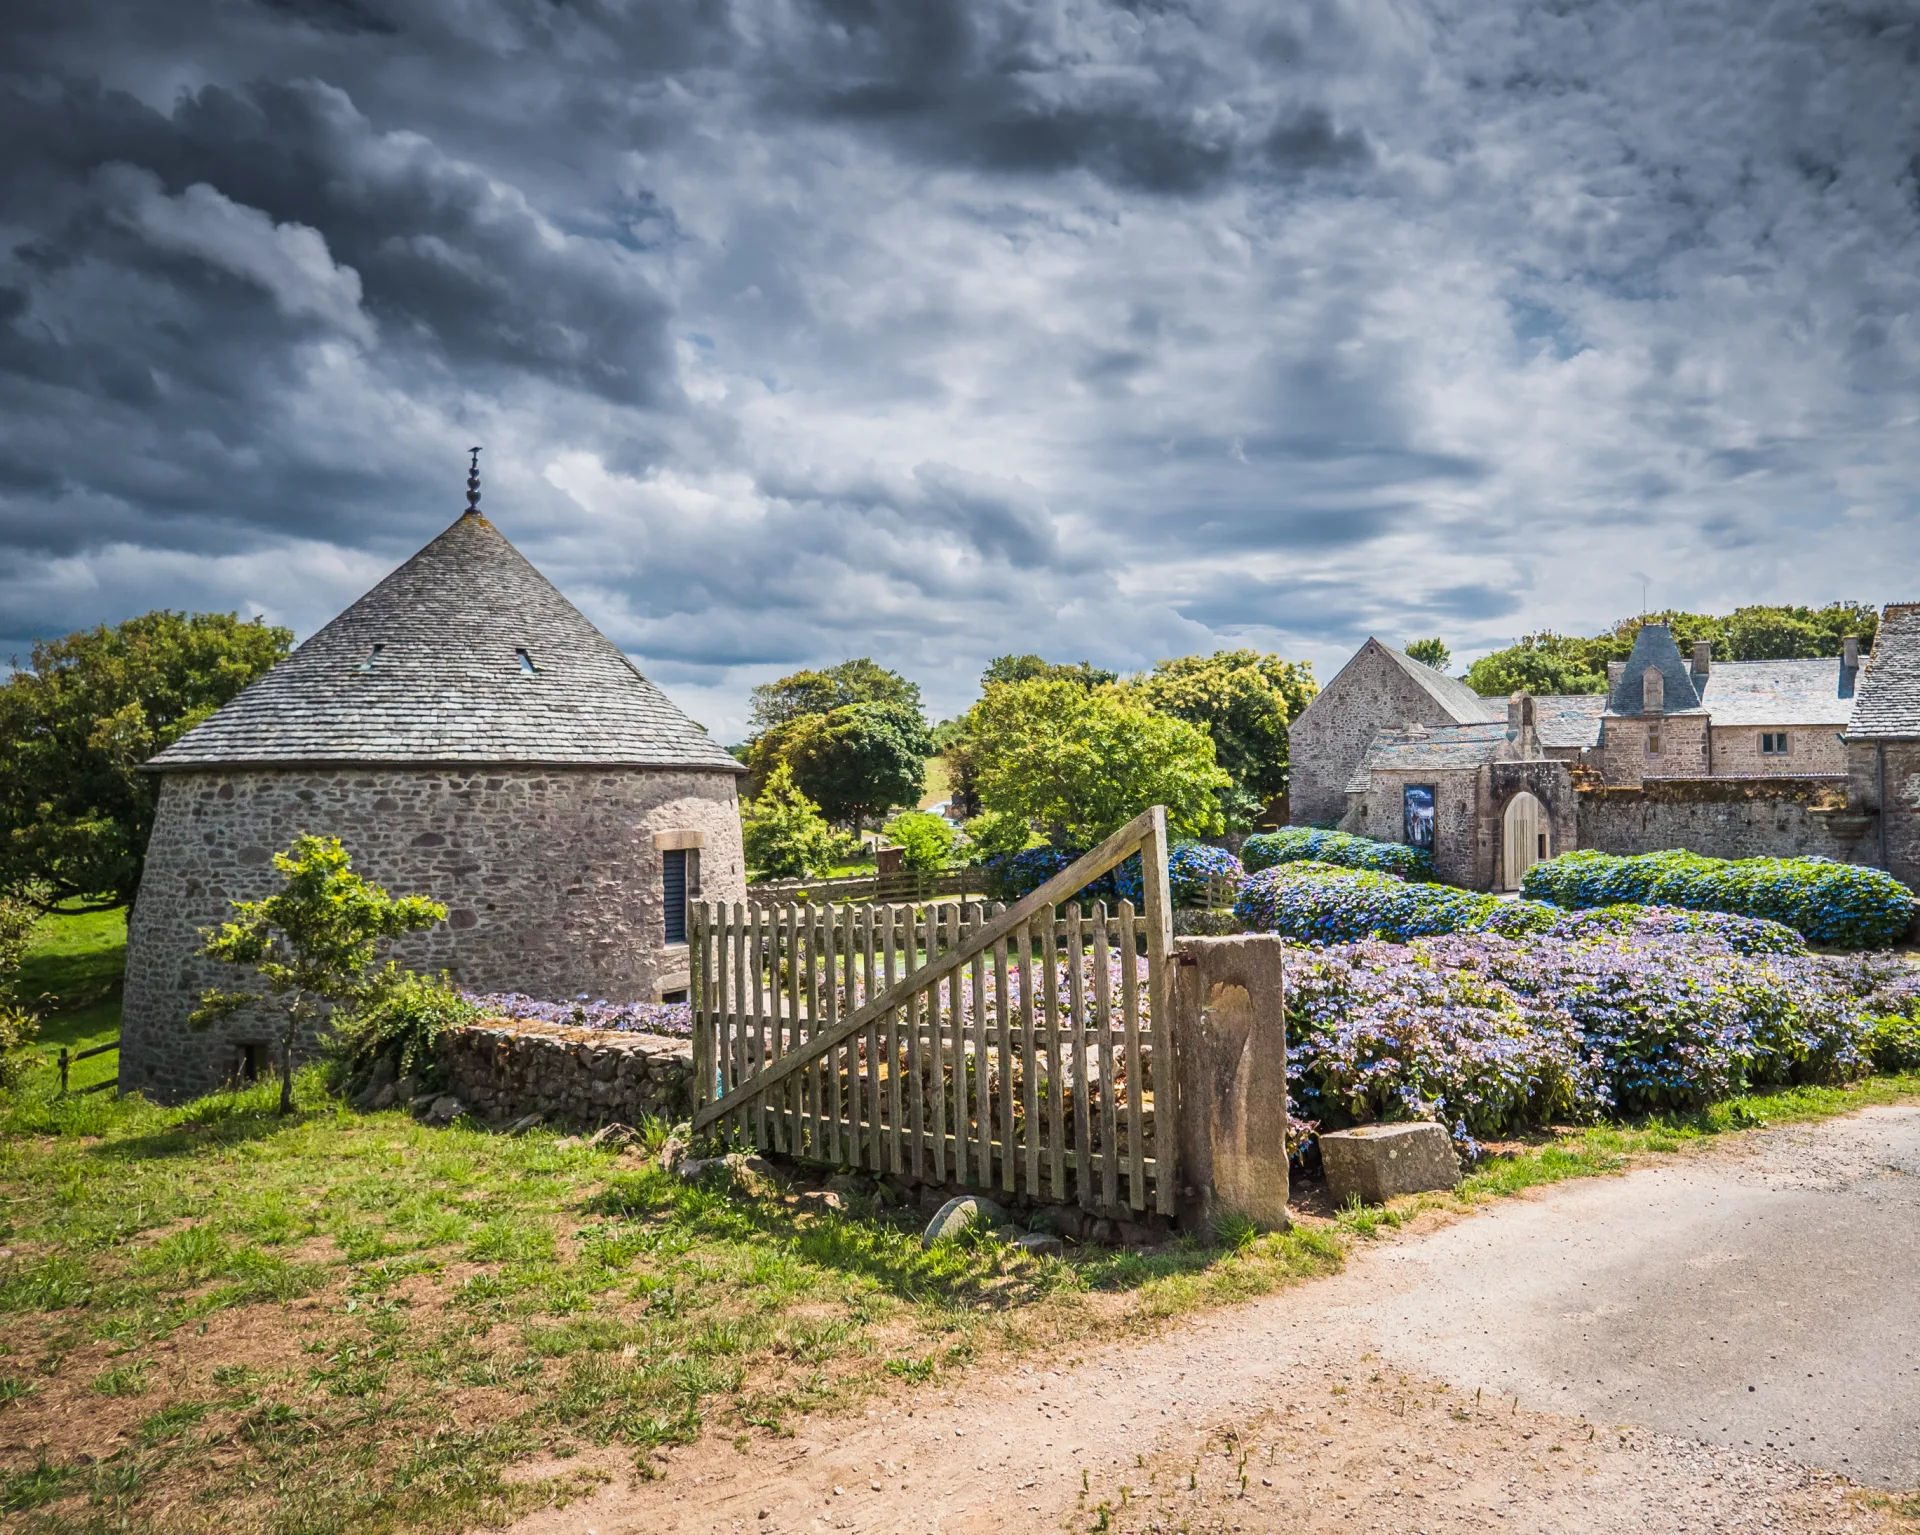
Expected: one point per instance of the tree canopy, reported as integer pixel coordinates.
(1244, 700)
(1081, 764)
(77, 722)
(782, 832)
(859, 681)
(853, 736)
(1032, 668)
(1432, 653)
(1556, 663)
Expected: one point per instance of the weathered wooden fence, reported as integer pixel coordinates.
(1016, 1048)
(896, 885)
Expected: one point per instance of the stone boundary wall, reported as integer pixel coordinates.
(1727, 818)
(504, 1070)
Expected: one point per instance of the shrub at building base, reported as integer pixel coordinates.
(1838, 905)
(1313, 844)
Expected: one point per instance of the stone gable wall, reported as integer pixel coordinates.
(1324, 746)
(550, 876)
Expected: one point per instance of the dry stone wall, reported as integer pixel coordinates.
(552, 878)
(1727, 818)
(504, 1071)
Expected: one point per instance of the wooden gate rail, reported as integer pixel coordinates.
(956, 1043)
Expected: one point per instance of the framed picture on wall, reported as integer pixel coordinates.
(1419, 815)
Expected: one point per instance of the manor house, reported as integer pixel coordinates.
(1731, 758)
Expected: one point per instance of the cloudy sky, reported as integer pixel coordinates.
(931, 329)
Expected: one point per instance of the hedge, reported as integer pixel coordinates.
(1014, 875)
(1323, 903)
(1839, 905)
(1297, 844)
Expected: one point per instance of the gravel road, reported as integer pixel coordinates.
(1576, 1362)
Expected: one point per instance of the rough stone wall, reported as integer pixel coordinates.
(550, 875)
(1896, 846)
(1784, 818)
(1324, 746)
(1380, 813)
(1811, 749)
(1623, 759)
(583, 1077)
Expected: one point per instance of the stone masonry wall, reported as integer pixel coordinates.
(1726, 819)
(1623, 759)
(1381, 814)
(1370, 694)
(1810, 749)
(551, 878)
(582, 1077)
(1899, 763)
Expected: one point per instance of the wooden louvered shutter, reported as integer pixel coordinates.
(673, 875)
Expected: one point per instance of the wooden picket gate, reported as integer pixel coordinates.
(1018, 1048)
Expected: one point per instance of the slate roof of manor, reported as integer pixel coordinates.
(1431, 747)
(1562, 719)
(1888, 707)
(466, 653)
(1460, 701)
(1817, 692)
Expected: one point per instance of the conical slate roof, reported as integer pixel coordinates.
(466, 653)
(1653, 646)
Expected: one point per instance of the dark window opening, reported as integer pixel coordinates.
(372, 656)
(1773, 743)
(673, 875)
(527, 668)
(1543, 846)
(1653, 740)
(249, 1062)
(674, 996)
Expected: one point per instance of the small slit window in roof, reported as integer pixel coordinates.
(527, 668)
(373, 655)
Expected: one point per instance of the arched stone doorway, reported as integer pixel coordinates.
(1526, 838)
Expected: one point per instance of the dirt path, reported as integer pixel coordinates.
(1513, 1371)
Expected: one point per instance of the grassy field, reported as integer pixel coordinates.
(213, 1317)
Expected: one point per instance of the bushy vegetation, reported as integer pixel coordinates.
(1323, 903)
(925, 840)
(1838, 905)
(18, 1026)
(782, 832)
(1313, 844)
(1625, 1016)
(1191, 866)
(401, 1021)
(853, 738)
(1547, 663)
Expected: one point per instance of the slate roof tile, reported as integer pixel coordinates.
(1816, 692)
(426, 668)
(1888, 706)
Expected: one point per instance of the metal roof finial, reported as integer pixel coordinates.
(473, 484)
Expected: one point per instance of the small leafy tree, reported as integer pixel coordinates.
(782, 831)
(312, 945)
(993, 834)
(1081, 765)
(1432, 653)
(925, 840)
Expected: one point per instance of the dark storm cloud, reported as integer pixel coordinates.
(929, 329)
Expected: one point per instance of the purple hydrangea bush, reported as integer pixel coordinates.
(626, 1017)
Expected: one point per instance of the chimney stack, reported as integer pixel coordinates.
(1850, 651)
(1615, 671)
(1702, 657)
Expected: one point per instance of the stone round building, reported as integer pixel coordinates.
(469, 736)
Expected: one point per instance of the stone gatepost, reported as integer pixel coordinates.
(1230, 1077)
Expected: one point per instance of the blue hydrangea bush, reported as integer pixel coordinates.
(1314, 844)
(1322, 903)
(1836, 905)
(1189, 864)
(1605, 1014)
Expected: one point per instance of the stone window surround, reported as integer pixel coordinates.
(1776, 743)
(676, 964)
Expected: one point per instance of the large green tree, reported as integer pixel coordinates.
(853, 736)
(77, 722)
(1244, 700)
(1542, 664)
(1080, 764)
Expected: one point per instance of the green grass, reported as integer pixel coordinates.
(333, 1321)
(71, 978)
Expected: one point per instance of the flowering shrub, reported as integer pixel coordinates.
(1319, 903)
(628, 1017)
(1191, 864)
(1294, 844)
(1013, 875)
(1840, 905)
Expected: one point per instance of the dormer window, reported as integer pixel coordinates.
(527, 668)
(373, 655)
